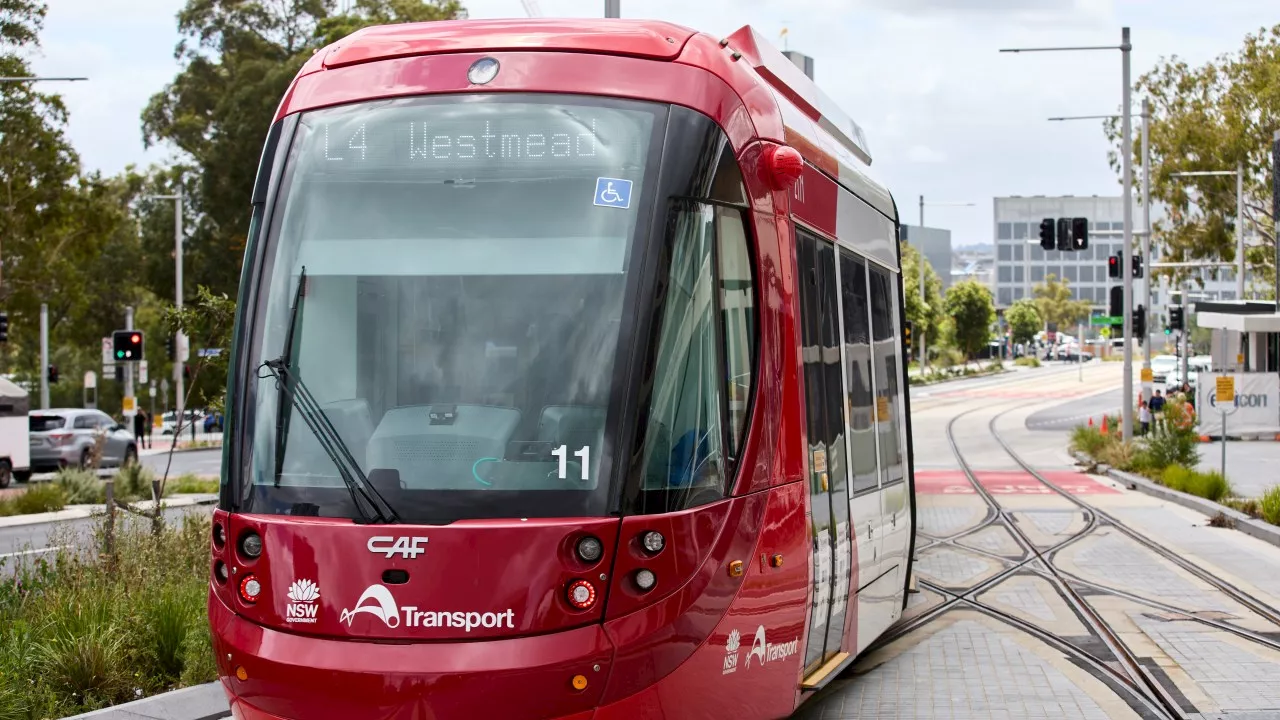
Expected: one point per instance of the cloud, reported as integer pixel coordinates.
(924, 154)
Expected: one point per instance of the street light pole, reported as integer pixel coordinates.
(44, 356)
(612, 8)
(1149, 275)
(1126, 130)
(179, 357)
(1125, 49)
(1240, 232)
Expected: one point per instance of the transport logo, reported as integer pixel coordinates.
(303, 608)
(731, 653)
(406, 547)
(770, 652)
(378, 601)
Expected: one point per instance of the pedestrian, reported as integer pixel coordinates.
(1157, 412)
(139, 427)
(150, 425)
(1144, 415)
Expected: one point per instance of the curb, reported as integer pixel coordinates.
(198, 702)
(82, 512)
(179, 451)
(1263, 531)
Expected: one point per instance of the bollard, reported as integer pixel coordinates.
(108, 539)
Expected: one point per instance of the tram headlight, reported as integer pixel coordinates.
(653, 542)
(645, 579)
(250, 588)
(482, 71)
(251, 545)
(581, 594)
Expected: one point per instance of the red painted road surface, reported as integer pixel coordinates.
(1007, 482)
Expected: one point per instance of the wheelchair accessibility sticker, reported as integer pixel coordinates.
(613, 192)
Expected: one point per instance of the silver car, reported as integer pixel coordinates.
(65, 438)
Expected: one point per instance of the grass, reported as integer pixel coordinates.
(191, 484)
(1027, 361)
(78, 632)
(37, 499)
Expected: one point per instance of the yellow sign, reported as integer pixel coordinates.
(882, 409)
(1148, 375)
(130, 404)
(1226, 389)
(1239, 358)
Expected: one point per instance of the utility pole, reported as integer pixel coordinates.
(924, 332)
(44, 356)
(179, 347)
(613, 8)
(1126, 131)
(1275, 206)
(1240, 232)
(1149, 275)
(1126, 140)
(128, 367)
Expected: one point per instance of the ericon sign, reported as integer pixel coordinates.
(406, 547)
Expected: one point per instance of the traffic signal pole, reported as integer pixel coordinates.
(128, 367)
(44, 356)
(1146, 244)
(1126, 131)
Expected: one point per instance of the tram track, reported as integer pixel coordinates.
(1131, 676)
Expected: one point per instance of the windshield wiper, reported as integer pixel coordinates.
(304, 403)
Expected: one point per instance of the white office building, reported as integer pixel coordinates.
(1021, 264)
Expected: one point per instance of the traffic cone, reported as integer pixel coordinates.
(1104, 424)
(1090, 421)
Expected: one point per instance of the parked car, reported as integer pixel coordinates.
(169, 421)
(65, 438)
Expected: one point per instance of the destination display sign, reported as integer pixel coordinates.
(458, 137)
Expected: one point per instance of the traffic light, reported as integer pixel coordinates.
(1064, 234)
(1079, 233)
(1136, 264)
(906, 336)
(4, 327)
(1046, 234)
(127, 345)
(168, 347)
(1140, 322)
(1117, 301)
(1175, 318)
(1113, 266)
(53, 374)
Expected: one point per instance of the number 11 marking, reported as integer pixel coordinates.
(562, 453)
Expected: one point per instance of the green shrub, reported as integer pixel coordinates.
(191, 484)
(1176, 477)
(1270, 505)
(78, 631)
(7, 509)
(1119, 454)
(133, 482)
(45, 497)
(1089, 440)
(1209, 485)
(1028, 361)
(81, 487)
(1174, 445)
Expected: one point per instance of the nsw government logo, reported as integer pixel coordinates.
(731, 653)
(303, 608)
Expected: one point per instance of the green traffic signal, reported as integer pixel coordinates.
(119, 353)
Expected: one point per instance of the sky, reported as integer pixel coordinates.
(946, 115)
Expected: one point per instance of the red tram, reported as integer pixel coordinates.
(567, 382)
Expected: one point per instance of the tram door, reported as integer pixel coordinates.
(828, 476)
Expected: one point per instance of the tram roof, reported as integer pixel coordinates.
(827, 136)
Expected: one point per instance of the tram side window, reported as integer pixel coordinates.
(886, 348)
(857, 339)
(687, 444)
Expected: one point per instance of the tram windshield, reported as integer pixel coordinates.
(456, 272)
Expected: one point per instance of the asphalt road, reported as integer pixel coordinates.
(1076, 412)
(200, 462)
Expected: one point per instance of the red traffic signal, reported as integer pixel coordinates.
(127, 345)
(1113, 266)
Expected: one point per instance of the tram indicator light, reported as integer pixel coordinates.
(1136, 265)
(1079, 233)
(1175, 318)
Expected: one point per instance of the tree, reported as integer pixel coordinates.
(1054, 301)
(1024, 321)
(971, 308)
(925, 316)
(1213, 117)
(239, 58)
